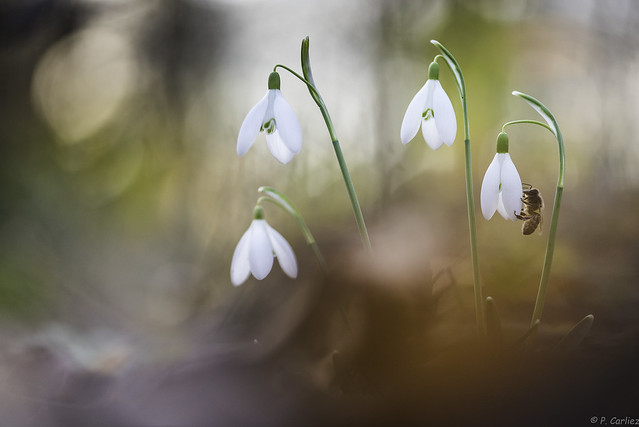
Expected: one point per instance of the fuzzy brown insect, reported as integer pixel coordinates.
(532, 205)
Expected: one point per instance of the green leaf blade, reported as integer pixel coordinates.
(576, 335)
(541, 109)
(454, 67)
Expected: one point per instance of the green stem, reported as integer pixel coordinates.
(470, 201)
(357, 210)
(552, 234)
(550, 250)
(277, 198)
(308, 84)
(479, 299)
(308, 79)
(532, 122)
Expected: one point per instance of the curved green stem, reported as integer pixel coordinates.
(461, 87)
(308, 84)
(552, 234)
(308, 79)
(279, 199)
(532, 122)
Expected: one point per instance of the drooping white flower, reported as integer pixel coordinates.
(501, 188)
(256, 249)
(273, 115)
(432, 110)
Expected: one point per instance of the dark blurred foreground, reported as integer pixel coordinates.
(343, 351)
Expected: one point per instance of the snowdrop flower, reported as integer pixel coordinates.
(431, 108)
(273, 115)
(501, 187)
(255, 251)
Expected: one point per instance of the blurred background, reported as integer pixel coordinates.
(122, 197)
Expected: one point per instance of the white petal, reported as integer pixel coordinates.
(510, 187)
(413, 115)
(251, 126)
(431, 135)
(501, 208)
(444, 114)
(240, 268)
(490, 189)
(278, 148)
(287, 123)
(260, 250)
(283, 252)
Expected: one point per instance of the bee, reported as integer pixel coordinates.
(531, 206)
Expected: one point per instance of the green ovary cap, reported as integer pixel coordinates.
(258, 212)
(274, 80)
(502, 142)
(433, 71)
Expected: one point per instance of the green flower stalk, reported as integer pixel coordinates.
(461, 87)
(307, 79)
(551, 125)
(271, 195)
(357, 211)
